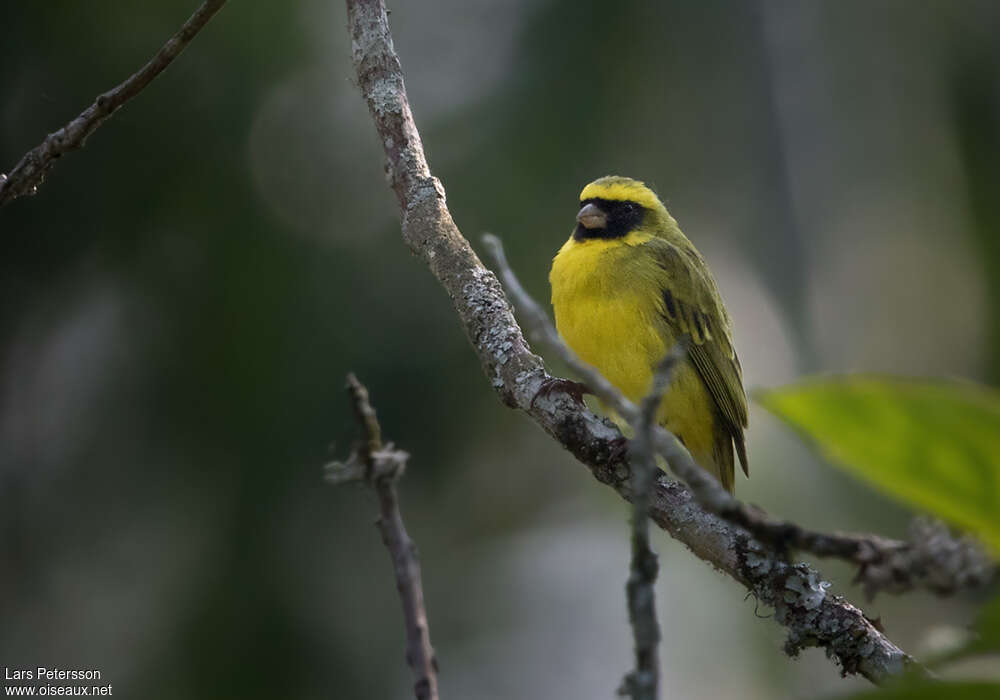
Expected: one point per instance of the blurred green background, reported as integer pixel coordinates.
(180, 303)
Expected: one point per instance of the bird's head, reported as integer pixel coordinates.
(614, 206)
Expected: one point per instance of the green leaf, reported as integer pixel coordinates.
(931, 690)
(934, 444)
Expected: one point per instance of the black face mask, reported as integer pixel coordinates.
(622, 217)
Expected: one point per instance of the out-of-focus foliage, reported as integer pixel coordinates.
(953, 690)
(986, 632)
(934, 444)
(976, 110)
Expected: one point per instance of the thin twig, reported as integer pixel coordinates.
(381, 466)
(25, 177)
(796, 592)
(642, 683)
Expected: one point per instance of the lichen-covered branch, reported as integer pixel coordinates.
(812, 615)
(381, 466)
(30, 171)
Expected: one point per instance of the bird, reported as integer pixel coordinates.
(626, 287)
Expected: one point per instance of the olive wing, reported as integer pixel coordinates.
(693, 306)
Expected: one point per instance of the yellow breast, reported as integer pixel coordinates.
(609, 309)
(609, 317)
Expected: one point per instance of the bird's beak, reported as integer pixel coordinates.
(591, 217)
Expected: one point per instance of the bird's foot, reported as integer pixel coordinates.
(618, 451)
(552, 385)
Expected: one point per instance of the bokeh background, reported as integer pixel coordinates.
(180, 303)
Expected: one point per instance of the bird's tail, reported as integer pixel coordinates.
(722, 457)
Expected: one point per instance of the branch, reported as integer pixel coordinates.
(31, 170)
(381, 466)
(813, 617)
(642, 683)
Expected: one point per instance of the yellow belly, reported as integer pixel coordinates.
(614, 321)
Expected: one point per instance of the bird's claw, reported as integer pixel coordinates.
(552, 385)
(618, 451)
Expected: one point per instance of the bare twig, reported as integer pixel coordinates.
(381, 466)
(642, 683)
(30, 171)
(812, 616)
(931, 558)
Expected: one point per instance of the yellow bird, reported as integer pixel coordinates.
(625, 287)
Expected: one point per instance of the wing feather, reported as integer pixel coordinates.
(692, 305)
